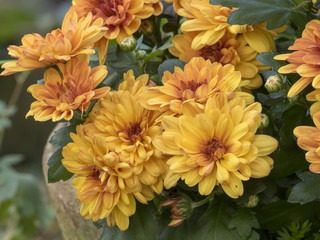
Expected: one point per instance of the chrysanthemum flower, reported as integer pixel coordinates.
(305, 59)
(216, 145)
(114, 158)
(210, 23)
(61, 94)
(230, 49)
(308, 140)
(199, 80)
(181, 7)
(121, 17)
(76, 37)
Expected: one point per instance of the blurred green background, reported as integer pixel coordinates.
(25, 210)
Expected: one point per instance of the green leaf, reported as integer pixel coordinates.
(275, 13)
(57, 171)
(143, 226)
(156, 51)
(168, 65)
(307, 190)
(9, 183)
(213, 224)
(267, 58)
(243, 221)
(287, 162)
(279, 214)
(62, 136)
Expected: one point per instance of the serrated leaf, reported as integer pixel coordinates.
(213, 225)
(267, 58)
(168, 65)
(62, 136)
(143, 226)
(307, 190)
(243, 221)
(56, 170)
(280, 214)
(275, 13)
(9, 183)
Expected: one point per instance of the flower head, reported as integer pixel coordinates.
(216, 145)
(230, 49)
(305, 59)
(121, 17)
(308, 140)
(76, 37)
(199, 80)
(210, 23)
(113, 156)
(63, 93)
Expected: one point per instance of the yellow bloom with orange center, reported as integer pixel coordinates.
(121, 17)
(230, 49)
(210, 23)
(76, 37)
(216, 145)
(114, 158)
(61, 94)
(305, 59)
(199, 80)
(308, 140)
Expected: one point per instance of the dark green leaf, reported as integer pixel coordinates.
(280, 214)
(62, 136)
(243, 221)
(274, 12)
(168, 65)
(267, 58)
(287, 162)
(143, 226)
(57, 171)
(213, 224)
(307, 190)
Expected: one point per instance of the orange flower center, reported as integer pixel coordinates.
(113, 11)
(211, 52)
(213, 148)
(67, 93)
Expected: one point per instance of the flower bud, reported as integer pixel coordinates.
(274, 83)
(293, 99)
(128, 44)
(181, 209)
(264, 121)
(140, 54)
(252, 201)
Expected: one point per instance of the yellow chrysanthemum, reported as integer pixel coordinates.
(216, 145)
(121, 17)
(199, 80)
(210, 23)
(60, 95)
(305, 59)
(230, 49)
(76, 37)
(181, 7)
(308, 140)
(113, 156)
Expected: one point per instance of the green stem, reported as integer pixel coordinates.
(202, 202)
(301, 5)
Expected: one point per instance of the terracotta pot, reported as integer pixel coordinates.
(63, 196)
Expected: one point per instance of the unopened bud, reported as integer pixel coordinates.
(140, 54)
(274, 83)
(294, 99)
(252, 201)
(264, 121)
(128, 44)
(181, 209)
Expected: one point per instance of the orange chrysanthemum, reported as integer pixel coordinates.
(305, 59)
(76, 37)
(210, 23)
(199, 80)
(113, 156)
(230, 49)
(121, 17)
(216, 145)
(61, 94)
(308, 139)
